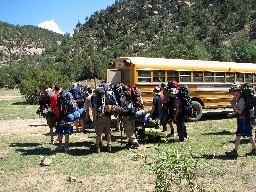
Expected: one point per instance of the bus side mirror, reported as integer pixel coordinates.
(111, 64)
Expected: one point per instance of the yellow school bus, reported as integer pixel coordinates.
(208, 81)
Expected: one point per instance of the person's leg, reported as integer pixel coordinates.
(252, 142)
(51, 134)
(237, 143)
(129, 128)
(76, 125)
(171, 127)
(98, 130)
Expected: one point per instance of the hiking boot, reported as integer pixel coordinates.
(109, 148)
(59, 148)
(66, 149)
(97, 149)
(232, 154)
(251, 153)
(135, 145)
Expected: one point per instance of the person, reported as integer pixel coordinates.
(178, 116)
(243, 122)
(50, 116)
(88, 106)
(60, 127)
(167, 110)
(101, 119)
(156, 111)
(128, 125)
(77, 93)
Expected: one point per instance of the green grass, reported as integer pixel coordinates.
(123, 169)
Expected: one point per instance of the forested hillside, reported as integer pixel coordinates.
(191, 29)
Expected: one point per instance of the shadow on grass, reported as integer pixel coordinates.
(36, 151)
(214, 115)
(211, 156)
(219, 133)
(242, 141)
(20, 103)
(25, 144)
(41, 125)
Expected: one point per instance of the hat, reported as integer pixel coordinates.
(163, 85)
(235, 87)
(173, 91)
(156, 90)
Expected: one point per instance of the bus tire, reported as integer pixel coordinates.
(197, 111)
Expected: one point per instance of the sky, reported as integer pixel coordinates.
(60, 16)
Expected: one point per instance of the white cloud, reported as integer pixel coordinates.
(50, 25)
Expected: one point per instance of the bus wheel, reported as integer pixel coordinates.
(197, 111)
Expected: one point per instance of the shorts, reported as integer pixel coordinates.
(51, 119)
(102, 124)
(244, 128)
(66, 129)
(82, 113)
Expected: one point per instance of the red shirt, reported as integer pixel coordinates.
(54, 105)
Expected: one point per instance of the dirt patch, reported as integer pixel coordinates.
(24, 126)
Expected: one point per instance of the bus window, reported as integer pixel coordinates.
(248, 78)
(173, 76)
(127, 76)
(144, 76)
(254, 77)
(240, 77)
(230, 77)
(219, 77)
(198, 76)
(185, 76)
(158, 76)
(208, 77)
(114, 77)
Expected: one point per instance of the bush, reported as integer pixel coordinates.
(176, 169)
(38, 81)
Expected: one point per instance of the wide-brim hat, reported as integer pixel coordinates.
(235, 87)
(156, 90)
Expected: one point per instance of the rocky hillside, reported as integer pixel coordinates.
(188, 29)
(17, 41)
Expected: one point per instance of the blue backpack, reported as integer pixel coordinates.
(67, 102)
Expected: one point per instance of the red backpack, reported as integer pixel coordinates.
(136, 98)
(173, 84)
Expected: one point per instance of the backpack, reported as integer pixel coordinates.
(67, 102)
(136, 98)
(249, 94)
(186, 101)
(117, 91)
(173, 84)
(44, 102)
(110, 98)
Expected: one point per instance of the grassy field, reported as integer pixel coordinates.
(25, 140)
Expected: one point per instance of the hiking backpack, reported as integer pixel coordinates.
(136, 98)
(44, 103)
(173, 84)
(67, 102)
(184, 95)
(249, 94)
(110, 98)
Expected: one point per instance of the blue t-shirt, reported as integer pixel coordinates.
(157, 102)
